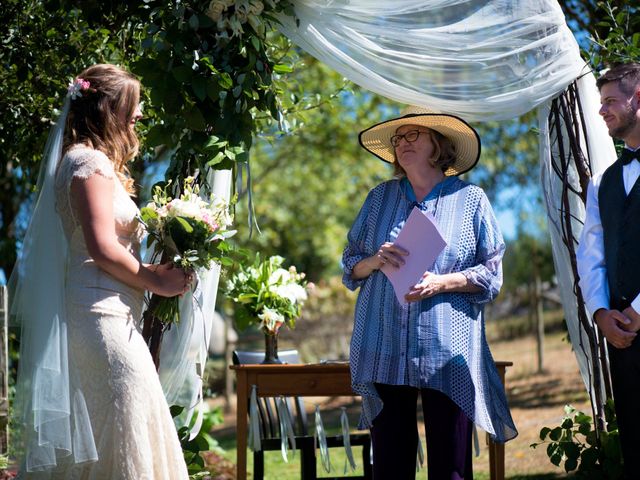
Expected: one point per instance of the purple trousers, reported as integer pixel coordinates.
(394, 434)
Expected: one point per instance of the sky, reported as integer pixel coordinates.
(507, 222)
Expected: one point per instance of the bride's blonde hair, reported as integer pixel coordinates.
(100, 118)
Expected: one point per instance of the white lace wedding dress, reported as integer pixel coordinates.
(109, 362)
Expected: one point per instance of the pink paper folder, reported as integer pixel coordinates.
(422, 239)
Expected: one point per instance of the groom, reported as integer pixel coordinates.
(609, 253)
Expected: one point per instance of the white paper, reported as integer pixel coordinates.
(423, 241)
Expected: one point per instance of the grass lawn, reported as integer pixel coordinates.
(276, 468)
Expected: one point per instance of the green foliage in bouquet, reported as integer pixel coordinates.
(189, 230)
(593, 455)
(266, 294)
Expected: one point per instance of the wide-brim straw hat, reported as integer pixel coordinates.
(466, 141)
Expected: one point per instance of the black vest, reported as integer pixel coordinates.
(620, 217)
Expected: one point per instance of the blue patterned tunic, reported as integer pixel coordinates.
(438, 342)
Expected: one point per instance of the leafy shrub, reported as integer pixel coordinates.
(202, 442)
(576, 443)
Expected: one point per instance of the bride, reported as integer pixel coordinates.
(88, 399)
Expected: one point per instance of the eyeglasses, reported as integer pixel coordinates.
(411, 136)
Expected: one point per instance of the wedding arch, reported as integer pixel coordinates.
(480, 59)
(486, 60)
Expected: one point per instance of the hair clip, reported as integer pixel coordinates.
(77, 86)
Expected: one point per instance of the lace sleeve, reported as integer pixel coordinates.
(83, 162)
(79, 162)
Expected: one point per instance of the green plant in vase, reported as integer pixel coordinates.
(269, 296)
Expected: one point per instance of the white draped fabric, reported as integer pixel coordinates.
(480, 59)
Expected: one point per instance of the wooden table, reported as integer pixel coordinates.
(317, 380)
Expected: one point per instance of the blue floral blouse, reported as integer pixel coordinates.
(438, 342)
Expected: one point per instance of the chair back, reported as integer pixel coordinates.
(268, 412)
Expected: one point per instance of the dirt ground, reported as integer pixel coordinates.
(536, 400)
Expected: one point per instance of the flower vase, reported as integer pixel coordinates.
(271, 349)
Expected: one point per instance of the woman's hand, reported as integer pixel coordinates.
(172, 280)
(431, 284)
(391, 254)
(388, 253)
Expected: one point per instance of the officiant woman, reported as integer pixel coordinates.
(433, 343)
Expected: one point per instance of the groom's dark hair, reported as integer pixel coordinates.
(627, 75)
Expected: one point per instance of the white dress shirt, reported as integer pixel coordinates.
(590, 253)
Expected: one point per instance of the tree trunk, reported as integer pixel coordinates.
(4, 370)
(539, 322)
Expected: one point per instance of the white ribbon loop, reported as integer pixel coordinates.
(255, 443)
(346, 440)
(252, 219)
(286, 428)
(322, 442)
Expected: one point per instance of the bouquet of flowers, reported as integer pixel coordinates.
(267, 294)
(189, 230)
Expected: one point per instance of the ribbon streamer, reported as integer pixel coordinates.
(199, 409)
(252, 220)
(286, 428)
(420, 455)
(322, 442)
(346, 440)
(476, 442)
(254, 440)
(194, 405)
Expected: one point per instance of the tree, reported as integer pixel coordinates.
(207, 70)
(308, 184)
(528, 263)
(608, 31)
(44, 45)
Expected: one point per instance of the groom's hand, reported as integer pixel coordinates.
(612, 323)
(632, 315)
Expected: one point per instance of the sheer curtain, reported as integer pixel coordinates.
(480, 59)
(483, 60)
